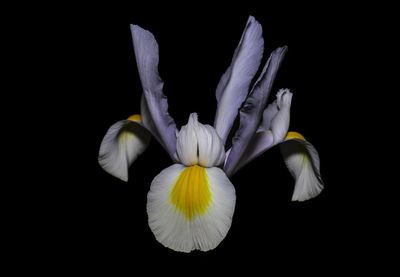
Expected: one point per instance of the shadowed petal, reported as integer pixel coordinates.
(302, 160)
(251, 112)
(272, 130)
(123, 143)
(260, 143)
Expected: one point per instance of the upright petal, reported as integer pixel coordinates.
(146, 53)
(147, 121)
(259, 144)
(303, 163)
(272, 130)
(251, 112)
(211, 148)
(122, 144)
(234, 84)
(199, 144)
(190, 207)
(269, 113)
(280, 122)
(187, 146)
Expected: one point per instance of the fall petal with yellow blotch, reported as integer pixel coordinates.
(302, 160)
(190, 207)
(123, 143)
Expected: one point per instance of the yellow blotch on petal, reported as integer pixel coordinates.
(294, 135)
(135, 118)
(191, 193)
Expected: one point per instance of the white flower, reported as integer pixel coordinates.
(191, 203)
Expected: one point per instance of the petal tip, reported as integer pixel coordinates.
(122, 176)
(305, 197)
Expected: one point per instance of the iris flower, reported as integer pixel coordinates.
(191, 203)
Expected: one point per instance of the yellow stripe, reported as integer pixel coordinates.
(294, 135)
(191, 193)
(135, 118)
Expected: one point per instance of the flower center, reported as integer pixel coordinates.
(199, 144)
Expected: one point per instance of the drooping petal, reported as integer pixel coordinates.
(251, 112)
(234, 84)
(303, 163)
(190, 207)
(199, 144)
(157, 120)
(122, 144)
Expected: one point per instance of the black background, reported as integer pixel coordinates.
(101, 222)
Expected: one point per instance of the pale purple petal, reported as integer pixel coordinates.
(234, 84)
(251, 112)
(259, 144)
(272, 130)
(148, 120)
(146, 53)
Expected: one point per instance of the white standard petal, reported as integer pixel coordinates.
(199, 144)
(190, 207)
(211, 150)
(186, 143)
(302, 160)
(280, 123)
(122, 144)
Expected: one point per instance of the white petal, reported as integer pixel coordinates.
(269, 113)
(302, 160)
(280, 123)
(211, 149)
(201, 230)
(122, 144)
(186, 144)
(199, 144)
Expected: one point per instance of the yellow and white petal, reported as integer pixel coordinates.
(190, 207)
(302, 160)
(122, 144)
